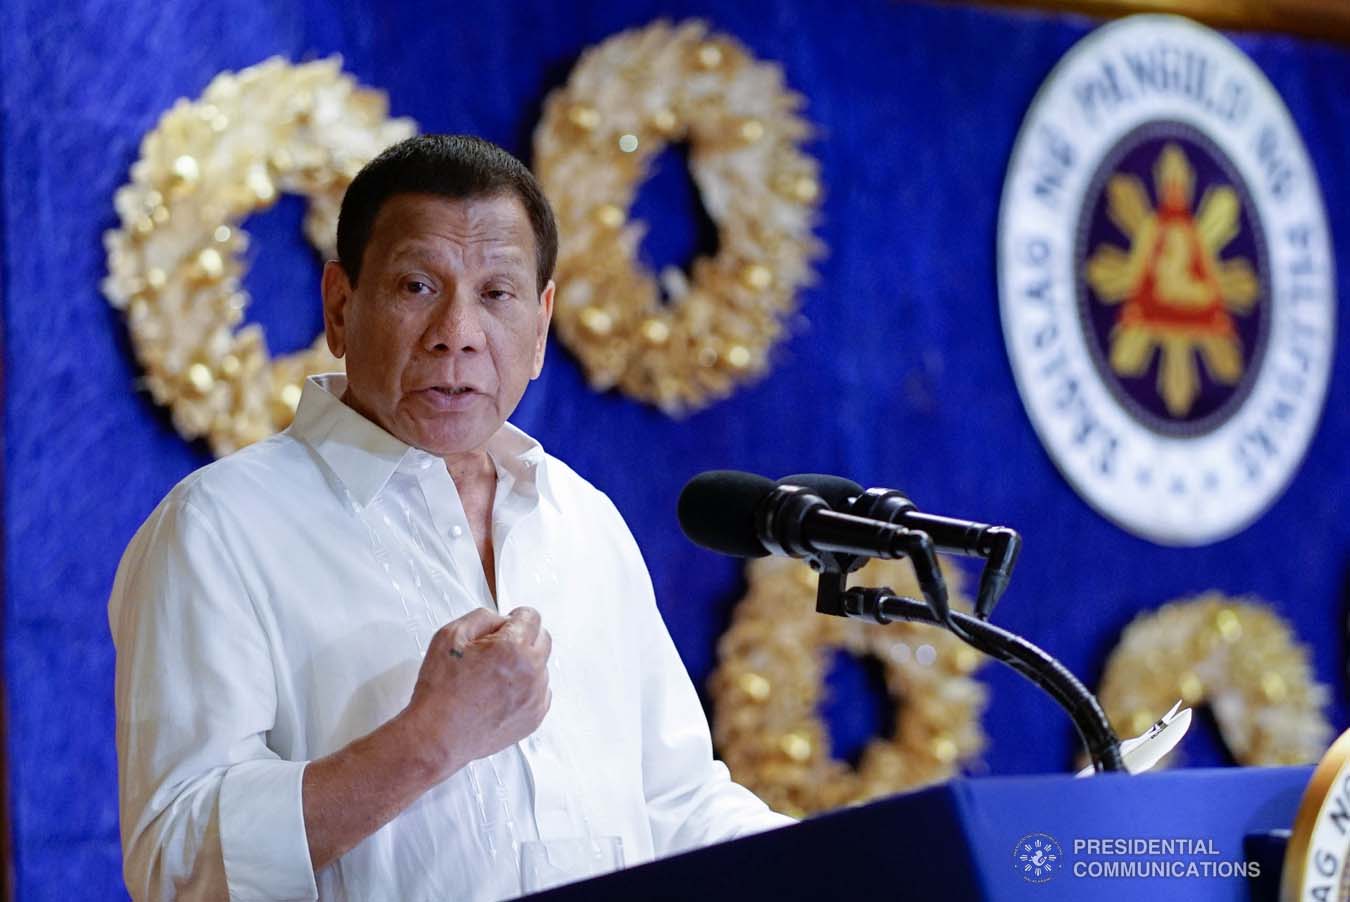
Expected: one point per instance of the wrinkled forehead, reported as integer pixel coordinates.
(490, 228)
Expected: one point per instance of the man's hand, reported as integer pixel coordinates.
(483, 686)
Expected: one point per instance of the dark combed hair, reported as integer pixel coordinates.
(454, 166)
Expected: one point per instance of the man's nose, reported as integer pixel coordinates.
(455, 326)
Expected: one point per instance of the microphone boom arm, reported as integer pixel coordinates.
(882, 606)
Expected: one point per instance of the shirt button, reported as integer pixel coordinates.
(456, 531)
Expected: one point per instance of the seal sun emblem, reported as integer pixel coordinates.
(1177, 297)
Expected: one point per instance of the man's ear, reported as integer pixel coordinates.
(337, 292)
(545, 316)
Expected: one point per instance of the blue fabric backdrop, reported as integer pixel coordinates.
(894, 373)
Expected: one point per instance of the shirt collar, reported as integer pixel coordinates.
(364, 456)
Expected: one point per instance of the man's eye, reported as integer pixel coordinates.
(497, 294)
(416, 286)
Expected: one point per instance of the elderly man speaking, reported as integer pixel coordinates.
(371, 656)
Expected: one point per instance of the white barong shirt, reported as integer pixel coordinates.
(277, 605)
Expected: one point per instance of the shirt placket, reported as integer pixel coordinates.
(544, 751)
(451, 526)
(488, 777)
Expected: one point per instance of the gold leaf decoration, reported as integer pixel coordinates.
(174, 264)
(769, 682)
(626, 100)
(1234, 654)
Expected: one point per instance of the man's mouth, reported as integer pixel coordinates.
(449, 397)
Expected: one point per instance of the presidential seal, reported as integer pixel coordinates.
(1317, 858)
(1165, 280)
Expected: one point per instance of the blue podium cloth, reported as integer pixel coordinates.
(962, 841)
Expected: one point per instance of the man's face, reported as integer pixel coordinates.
(445, 326)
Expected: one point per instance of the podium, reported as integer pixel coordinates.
(1175, 835)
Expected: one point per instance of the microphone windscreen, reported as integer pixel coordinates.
(717, 511)
(836, 491)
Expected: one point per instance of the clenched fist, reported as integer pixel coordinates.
(483, 686)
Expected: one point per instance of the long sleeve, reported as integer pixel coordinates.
(207, 809)
(691, 799)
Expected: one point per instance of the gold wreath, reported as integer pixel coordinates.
(627, 99)
(768, 682)
(1235, 654)
(174, 264)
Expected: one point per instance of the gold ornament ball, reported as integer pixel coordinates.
(583, 117)
(796, 746)
(755, 686)
(966, 659)
(709, 55)
(261, 185)
(200, 378)
(1273, 687)
(756, 276)
(211, 264)
(1191, 688)
(610, 216)
(597, 321)
(290, 396)
(655, 332)
(806, 189)
(751, 130)
(186, 170)
(665, 121)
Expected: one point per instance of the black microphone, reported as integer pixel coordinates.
(998, 545)
(837, 491)
(748, 516)
(717, 512)
(745, 515)
(841, 494)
